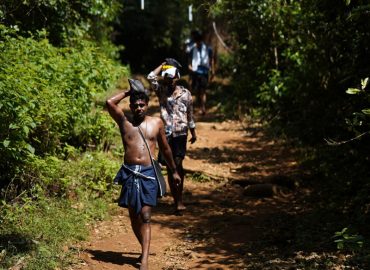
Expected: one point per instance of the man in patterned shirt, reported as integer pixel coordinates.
(176, 107)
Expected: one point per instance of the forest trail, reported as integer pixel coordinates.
(226, 225)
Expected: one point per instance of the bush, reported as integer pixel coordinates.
(48, 98)
(62, 196)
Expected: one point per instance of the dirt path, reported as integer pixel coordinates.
(222, 228)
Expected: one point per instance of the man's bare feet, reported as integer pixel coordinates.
(180, 207)
(144, 266)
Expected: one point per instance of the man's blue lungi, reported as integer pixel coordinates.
(139, 186)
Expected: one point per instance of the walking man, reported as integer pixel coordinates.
(200, 65)
(176, 107)
(139, 186)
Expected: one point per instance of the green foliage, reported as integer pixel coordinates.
(37, 232)
(67, 22)
(56, 66)
(359, 122)
(63, 196)
(54, 177)
(294, 61)
(48, 97)
(295, 58)
(200, 177)
(226, 65)
(348, 241)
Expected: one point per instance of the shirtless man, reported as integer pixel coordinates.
(139, 186)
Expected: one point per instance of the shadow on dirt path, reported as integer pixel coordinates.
(221, 226)
(242, 209)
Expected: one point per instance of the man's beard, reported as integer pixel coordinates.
(138, 118)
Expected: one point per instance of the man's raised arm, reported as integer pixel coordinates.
(153, 77)
(114, 110)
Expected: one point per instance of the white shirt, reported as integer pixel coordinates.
(200, 57)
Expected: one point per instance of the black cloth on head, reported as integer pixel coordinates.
(173, 62)
(136, 85)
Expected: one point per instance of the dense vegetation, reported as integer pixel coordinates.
(299, 66)
(302, 66)
(57, 63)
(50, 105)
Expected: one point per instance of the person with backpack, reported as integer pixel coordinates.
(200, 64)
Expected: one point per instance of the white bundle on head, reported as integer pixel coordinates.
(170, 72)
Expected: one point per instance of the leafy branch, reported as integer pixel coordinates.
(354, 91)
(335, 143)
